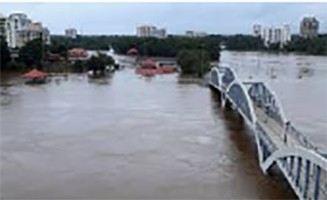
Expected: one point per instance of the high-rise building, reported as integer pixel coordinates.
(309, 27)
(273, 35)
(71, 33)
(160, 33)
(286, 34)
(150, 31)
(3, 20)
(195, 34)
(16, 22)
(20, 29)
(268, 36)
(257, 30)
(33, 31)
(46, 35)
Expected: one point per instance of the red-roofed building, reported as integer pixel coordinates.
(77, 54)
(148, 64)
(35, 74)
(132, 51)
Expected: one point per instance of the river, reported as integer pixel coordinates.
(142, 138)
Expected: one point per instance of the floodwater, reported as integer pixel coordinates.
(130, 138)
(303, 95)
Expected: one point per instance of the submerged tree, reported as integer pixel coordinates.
(194, 62)
(99, 63)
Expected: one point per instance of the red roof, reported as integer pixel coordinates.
(146, 72)
(35, 74)
(77, 52)
(132, 51)
(148, 63)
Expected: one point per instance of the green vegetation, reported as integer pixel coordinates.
(243, 43)
(194, 62)
(167, 47)
(312, 46)
(98, 64)
(36, 54)
(33, 53)
(4, 53)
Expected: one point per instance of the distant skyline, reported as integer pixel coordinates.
(123, 18)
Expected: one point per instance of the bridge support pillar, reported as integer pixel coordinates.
(307, 179)
(223, 99)
(317, 183)
(291, 166)
(298, 172)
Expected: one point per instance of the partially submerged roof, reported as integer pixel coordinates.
(35, 74)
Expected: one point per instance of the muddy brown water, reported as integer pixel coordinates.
(127, 138)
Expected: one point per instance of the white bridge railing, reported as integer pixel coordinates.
(278, 142)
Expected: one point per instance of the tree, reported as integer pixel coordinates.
(98, 64)
(312, 46)
(193, 62)
(78, 66)
(33, 53)
(4, 53)
(164, 47)
(57, 48)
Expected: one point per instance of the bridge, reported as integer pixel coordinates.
(278, 141)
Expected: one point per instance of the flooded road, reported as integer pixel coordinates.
(128, 138)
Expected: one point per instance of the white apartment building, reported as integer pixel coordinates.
(15, 22)
(3, 20)
(20, 29)
(195, 34)
(150, 31)
(273, 35)
(71, 33)
(257, 30)
(286, 34)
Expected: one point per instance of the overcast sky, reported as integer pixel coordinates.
(122, 18)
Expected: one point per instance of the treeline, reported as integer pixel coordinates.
(313, 46)
(170, 46)
(167, 47)
(36, 54)
(243, 43)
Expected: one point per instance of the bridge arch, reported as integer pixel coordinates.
(296, 151)
(262, 95)
(238, 95)
(214, 77)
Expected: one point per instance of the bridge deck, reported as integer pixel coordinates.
(274, 129)
(277, 133)
(256, 100)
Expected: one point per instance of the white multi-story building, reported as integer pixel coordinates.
(16, 22)
(257, 30)
(273, 35)
(20, 30)
(309, 27)
(3, 20)
(71, 33)
(195, 34)
(286, 34)
(150, 31)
